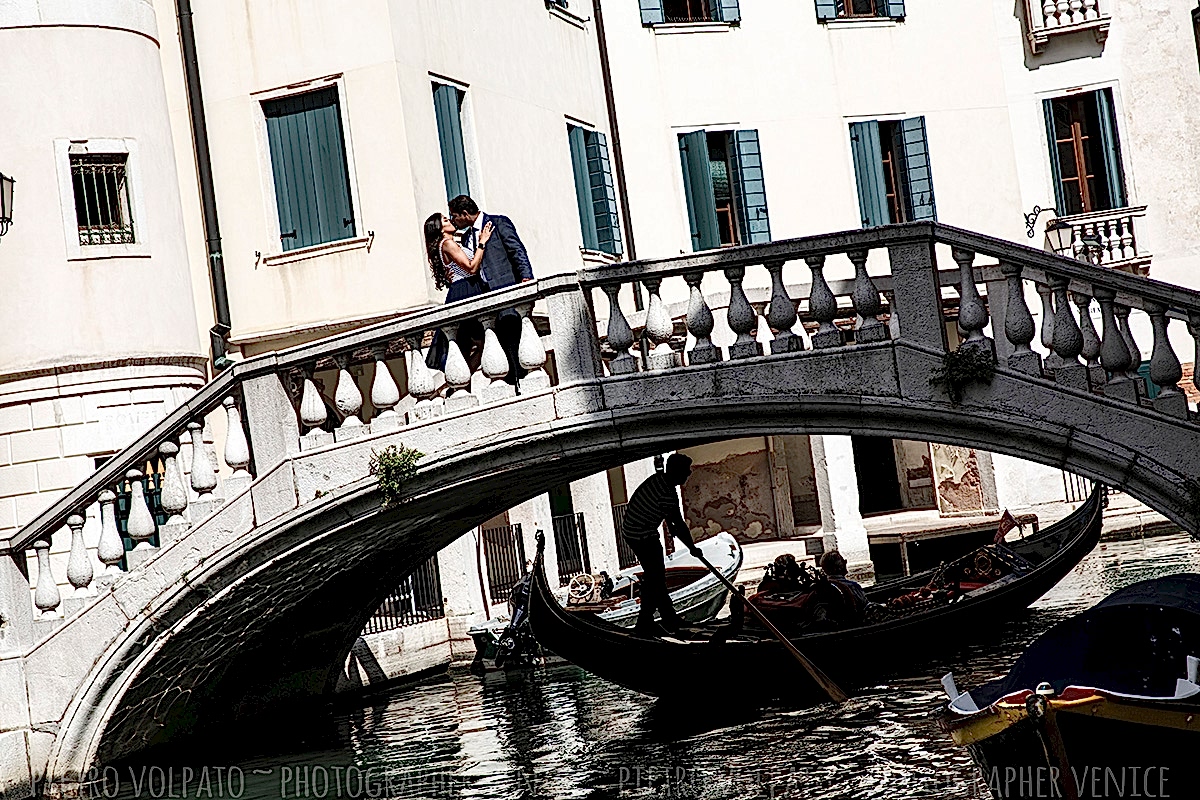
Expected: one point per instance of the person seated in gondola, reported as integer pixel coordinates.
(654, 502)
(783, 576)
(833, 567)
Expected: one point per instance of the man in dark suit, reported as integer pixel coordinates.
(503, 265)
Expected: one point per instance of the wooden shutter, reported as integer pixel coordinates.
(894, 8)
(603, 194)
(447, 102)
(749, 191)
(724, 10)
(827, 9)
(698, 190)
(308, 163)
(1113, 171)
(1060, 202)
(652, 12)
(583, 189)
(915, 175)
(868, 172)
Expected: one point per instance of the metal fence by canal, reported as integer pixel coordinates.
(504, 551)
(625, 555)
(417, 599)
(570, 540)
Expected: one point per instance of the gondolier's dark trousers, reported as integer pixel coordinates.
(649, 553)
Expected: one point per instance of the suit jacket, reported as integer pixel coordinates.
(505, 261)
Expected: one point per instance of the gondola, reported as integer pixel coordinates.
(1104, 704)
(685, 666)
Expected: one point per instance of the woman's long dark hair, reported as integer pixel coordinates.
(433, 248)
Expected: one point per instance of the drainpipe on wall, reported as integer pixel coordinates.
(618, 160)
(208, 198)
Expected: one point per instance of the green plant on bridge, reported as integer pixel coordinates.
(393, 466)
(962, 367)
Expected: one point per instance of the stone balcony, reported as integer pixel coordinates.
(1048, 18)
(1112, 238)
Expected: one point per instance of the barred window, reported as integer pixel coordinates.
(102, 207)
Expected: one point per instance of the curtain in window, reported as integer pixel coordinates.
(868, 173)
(447, 105)
(652, 12)
(749, 189)
(698, 190)
(603, 194)
(308, 162)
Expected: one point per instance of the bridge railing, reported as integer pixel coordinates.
(897, 289)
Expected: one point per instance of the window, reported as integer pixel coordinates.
(308, 163)
(891, 167)
(1085, 156)
(657, 12)
(102, 207)
(724, 188)
(856, 9)
(594, 191)
(447, 107)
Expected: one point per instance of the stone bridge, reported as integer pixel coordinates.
(269, 567)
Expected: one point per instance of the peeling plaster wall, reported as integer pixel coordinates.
(730, 490)
(956, 474)
(914, 469)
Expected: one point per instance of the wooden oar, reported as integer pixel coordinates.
(824, 681)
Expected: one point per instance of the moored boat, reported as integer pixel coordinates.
(993, 584)
(696, 594)
(1104, 704)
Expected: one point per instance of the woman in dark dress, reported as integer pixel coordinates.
(453, 268)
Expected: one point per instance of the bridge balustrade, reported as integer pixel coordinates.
(273, 406)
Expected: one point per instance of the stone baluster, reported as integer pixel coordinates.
(659, 328)
(1193, 327)
(421, 382)
(79, 564)
(1090, 9)
(1091, 340)
(531, 353)
(237, 450)
(204, 477)
(458, 373)
(313, 414)
(1047, 329)
(1114, 353)
(741, 317)
(781, 313)
(620, 335)
(1135, 352)
(45, 597)
(972, 315)
(1128, 242)
(700, 323)
(1062, 11)
(866, 302)
(822, 305)
(1165, 370)
(140, 525)
(1049, 14)
(348, 399)
(173, 495)
(1068, 340)
(893, 322)
(1018, 323)
(385, 394)
(110, 549)
(494, 365)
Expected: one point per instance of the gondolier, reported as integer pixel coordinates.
(653, 503)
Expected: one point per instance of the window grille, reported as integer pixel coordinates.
(570, 540)
(102, 207)
(417, 599)
(505, 553)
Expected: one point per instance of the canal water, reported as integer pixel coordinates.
(561, 733)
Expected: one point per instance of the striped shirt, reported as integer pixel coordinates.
(652, 503)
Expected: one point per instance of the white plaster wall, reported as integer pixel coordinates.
(592, 498)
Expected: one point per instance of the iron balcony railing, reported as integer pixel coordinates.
(417, 599)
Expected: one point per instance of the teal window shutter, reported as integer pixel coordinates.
(827, 9)
(603, 194)
(725, 10)
(308, 163)
(868, 172)
(749, 190)
(915, 175)
(447, 107)
(1060, 203)
(1112, 148)
(652, 12)
(583, 190)
(894, 8)
(698, 190)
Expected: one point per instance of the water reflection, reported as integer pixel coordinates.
(560, 733)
